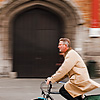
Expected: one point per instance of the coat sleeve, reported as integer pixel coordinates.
(69, 62)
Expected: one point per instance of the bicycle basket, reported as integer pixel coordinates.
(93, 97)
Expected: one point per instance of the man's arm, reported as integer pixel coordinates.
(68, 64)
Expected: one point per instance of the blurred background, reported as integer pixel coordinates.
(30, 30)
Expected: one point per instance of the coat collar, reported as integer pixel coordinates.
(67, 51)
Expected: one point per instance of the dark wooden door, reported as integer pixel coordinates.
(35, 39)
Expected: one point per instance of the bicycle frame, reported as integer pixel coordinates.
(46, 95)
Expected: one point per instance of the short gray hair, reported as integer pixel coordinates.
(65, 41)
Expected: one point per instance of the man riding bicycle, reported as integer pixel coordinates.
(75, 68)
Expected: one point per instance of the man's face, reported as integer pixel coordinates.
(62, 47)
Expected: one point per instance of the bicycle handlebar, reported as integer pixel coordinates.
(48, 91)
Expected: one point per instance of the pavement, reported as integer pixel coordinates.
(26, 89)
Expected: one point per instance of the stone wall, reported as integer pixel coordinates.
(76, 15)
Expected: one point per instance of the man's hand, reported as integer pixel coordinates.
(48, 80)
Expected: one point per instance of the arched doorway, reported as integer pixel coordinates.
(9, 16)
(35, 38)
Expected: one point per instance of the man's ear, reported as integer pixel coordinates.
(66, 45)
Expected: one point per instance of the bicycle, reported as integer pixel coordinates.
(46, 93)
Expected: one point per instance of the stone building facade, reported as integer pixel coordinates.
(76, 21)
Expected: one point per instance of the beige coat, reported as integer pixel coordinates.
(79, 80)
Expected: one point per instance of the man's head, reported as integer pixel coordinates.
(64, 44)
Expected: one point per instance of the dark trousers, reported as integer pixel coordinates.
(66, 95)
